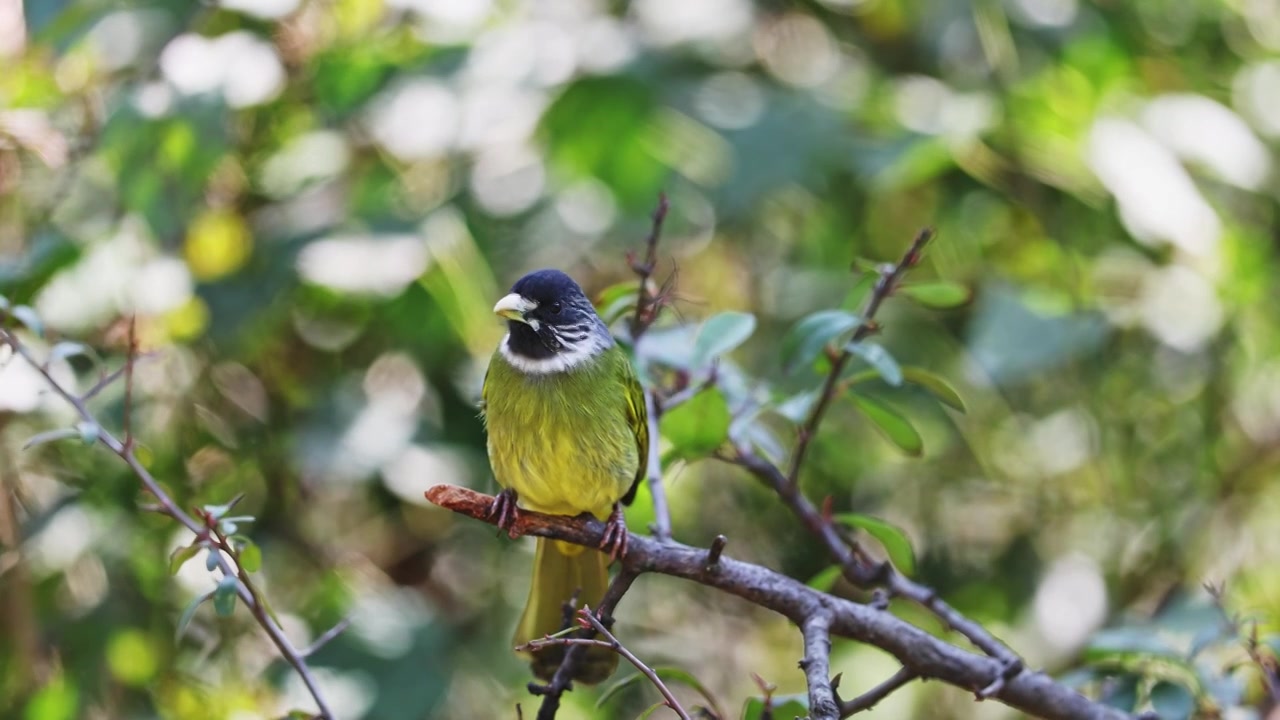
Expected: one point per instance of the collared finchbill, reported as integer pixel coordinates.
(514, 307)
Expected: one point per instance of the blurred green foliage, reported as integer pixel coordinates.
(311, 206)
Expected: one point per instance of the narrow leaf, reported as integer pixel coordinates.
(805, 341)
(189, 612)
(251, 558)
(936, 385)
(896, 544)
(940, 295)
(860, 290)
(616, 301)
(720, 334)
(50, 436)
(826, 579)
(211, 560)
(26, 315)
(617, 687)
(224, 597)
(66, 349)
(180, 556)
(893, 425)
(878, 358)
(651, 709)
(684, 677)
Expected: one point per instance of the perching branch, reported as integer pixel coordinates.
(924, 654)
(817, 667)
(247, 591)
(587, 617)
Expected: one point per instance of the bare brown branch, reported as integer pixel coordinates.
(924, 654)
(868, 699)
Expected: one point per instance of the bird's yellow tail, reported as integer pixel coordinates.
(558, 569)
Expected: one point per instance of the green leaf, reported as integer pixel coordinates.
(1172, 701)
(784, 707)
(617, 301)
(936, 385)
(66, 349)
(651, 709)
(189, 612)
(893, 425)
(796, 408)
(1121, 692)
(805, 341)
(860, 290)
(877, 357)
(699, 426)
(667, 674)
(88, 432)
(251, 557)
(1132, 641)
(720, 334)
(940, 295)
(826, 579)
(180, 556)
(896, 544)
(224, 597)
(50, 436)
(26, 315)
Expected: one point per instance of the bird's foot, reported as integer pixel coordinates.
(504, 512)
(615, 535)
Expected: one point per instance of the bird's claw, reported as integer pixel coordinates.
(504, 512)
(614, 541)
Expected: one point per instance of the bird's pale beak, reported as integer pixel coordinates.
(514, 306)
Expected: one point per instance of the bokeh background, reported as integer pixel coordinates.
(311, 206)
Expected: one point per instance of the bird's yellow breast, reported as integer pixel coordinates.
(562, 441)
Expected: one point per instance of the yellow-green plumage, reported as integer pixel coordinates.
(567, 443)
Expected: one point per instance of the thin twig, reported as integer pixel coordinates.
(611, 643)
(326, 637)
(885, 285)
(562, 680)
(929, 656)
(868, 699)
(646, 302)
(246, 590)
(817, 667)
(647, 308)
(128, 381)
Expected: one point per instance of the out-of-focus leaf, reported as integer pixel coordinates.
(857, 294)
(720, 334)
(1172, 701)
(667, 675)
(189, 612)
(801, 345)
(49, 436)
(651, 709)
(251, 557)
(26, 315)
(940, 295)
(893, 425)
(877, 357)
(211, 560)
(617, 301)
(66, 349)
(224, 597)
(936, 385)
(1121, 692)
(180, 556)
(895, 541)
(784, 707)
(796, 408)
(88, 431)
(1002, 322)
(57, 700)
(699, 426)
(826, 579)
(1141, 641)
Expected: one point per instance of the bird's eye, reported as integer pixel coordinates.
(555, 308)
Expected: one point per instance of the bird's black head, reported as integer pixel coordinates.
(549, 317)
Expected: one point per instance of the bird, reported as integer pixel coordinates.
(567, 430)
